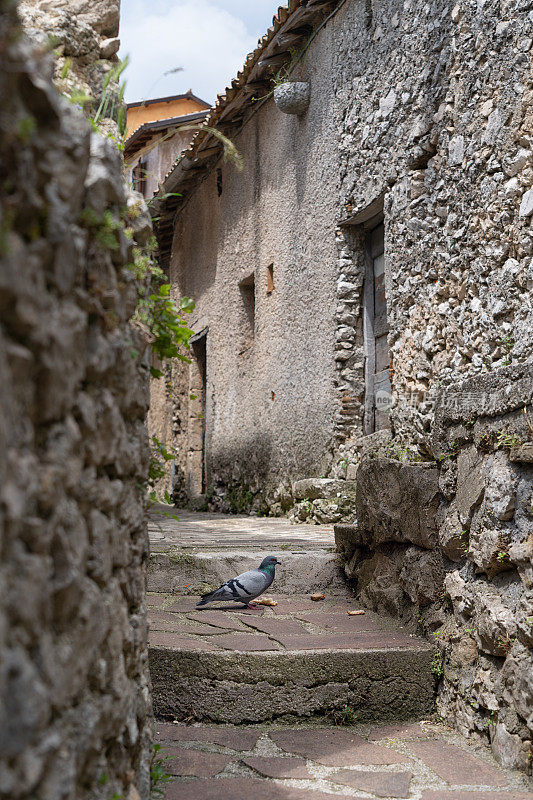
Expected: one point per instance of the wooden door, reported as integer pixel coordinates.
(378, 386)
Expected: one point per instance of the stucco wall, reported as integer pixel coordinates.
(75, 717)
(270, 405)
(158, 156)
(424, 106)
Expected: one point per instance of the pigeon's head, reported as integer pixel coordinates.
(268, 564)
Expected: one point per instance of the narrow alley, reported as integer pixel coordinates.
(299, 699)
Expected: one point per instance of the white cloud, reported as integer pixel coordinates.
(209, 43)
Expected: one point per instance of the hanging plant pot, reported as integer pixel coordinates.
(293, 97)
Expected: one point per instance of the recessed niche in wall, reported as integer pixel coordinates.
(270, 278)
(247, 289)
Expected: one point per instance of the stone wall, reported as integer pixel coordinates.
(447, 149)
(447, 546)
(83, 35)
(74, 685)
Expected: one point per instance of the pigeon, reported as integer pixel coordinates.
(245, 587)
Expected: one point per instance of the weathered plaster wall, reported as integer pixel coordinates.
(74, 685)
(159, 155)
(424, 106)
(270, 405)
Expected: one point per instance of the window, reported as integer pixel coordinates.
(139, 177)
(247, 288)
(219, 181)
(270, 279)
(376, 329)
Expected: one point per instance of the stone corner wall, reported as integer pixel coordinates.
(75, 713)
(447, 546)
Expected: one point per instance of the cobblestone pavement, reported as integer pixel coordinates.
(420, 761)
(294, 624)
(206, 530)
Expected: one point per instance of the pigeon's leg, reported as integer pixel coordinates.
(250, 605)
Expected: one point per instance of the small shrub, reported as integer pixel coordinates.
(437, 667)
(159, 777)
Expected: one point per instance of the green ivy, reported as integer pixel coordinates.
(160, 314)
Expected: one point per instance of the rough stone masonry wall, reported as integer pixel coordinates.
(84, 37)
(74, 685)
(447, 546)
(443, 135)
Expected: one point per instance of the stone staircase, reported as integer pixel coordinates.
(295, 661)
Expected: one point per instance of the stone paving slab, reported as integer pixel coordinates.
(336, 748)
(278, 767)
(226, 736)
(239, 789)
(284, 626)
(174, 641)
(455, 766)
(205, 530)
(381, 784)
(399, 730)
(194, 763)
(322, 762)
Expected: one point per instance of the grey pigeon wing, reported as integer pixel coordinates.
(244, 587)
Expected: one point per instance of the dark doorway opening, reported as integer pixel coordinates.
(197, 417)
(376, 329)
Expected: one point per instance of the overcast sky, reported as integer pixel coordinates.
(209, 39)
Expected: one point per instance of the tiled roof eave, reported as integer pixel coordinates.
(143, 134)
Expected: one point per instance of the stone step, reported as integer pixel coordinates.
(187, 571)
(198, 552)
(299, 659)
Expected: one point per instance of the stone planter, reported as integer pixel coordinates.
(293, 97)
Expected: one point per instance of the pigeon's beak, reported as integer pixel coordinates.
(278, 562)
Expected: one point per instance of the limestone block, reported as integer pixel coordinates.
(470, 482)
(526, 204)
(495, 622)
(522, 453)
(347, 538)
(521, 554)
(397, 502)
(422, 575)
(524, 618)
(451, 538)
(322, 488)
(492, 394)
(458, 591)
(487, 547)
(518, 686)
(463, 652)
(500, 494)
(378, 580)
(102, 15)
(456, 150)
(109, 47)
(510, 749)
